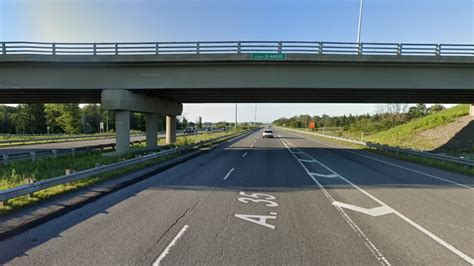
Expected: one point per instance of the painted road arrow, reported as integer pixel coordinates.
(377, 211)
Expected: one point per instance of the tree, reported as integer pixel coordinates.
(31, 119)
(199, 123)
(436, 108)
(64, 118)
(92, 117)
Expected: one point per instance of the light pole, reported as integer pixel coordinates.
(359, 29)
(255, 123)
(235, 115)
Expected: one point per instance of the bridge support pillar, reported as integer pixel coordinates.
(170, 129)
(123, 102)
(151, 131)
(122, 131)
(471, 110)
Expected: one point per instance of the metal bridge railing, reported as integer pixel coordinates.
(236, 47)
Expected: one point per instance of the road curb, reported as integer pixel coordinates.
(100, 190)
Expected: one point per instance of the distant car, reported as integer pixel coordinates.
(188, 131)
(267, 133)
(208, 129)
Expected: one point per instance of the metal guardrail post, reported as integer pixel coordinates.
(399, 49)
(4, 48)
(54, 48)
(73, 152)
(239, 45)
(116, 49)
(5, 158)
(321, 48)
(33, 156)
(157, 48)
(55, 153)
(359, 48)
(94, 49)
(438, 49)
(198, 47)
(280, 47)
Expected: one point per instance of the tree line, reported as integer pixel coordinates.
(68, 118)
(386, 116)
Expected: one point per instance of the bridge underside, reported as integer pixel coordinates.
(279, 95)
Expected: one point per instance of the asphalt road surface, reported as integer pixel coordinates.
(290, 200)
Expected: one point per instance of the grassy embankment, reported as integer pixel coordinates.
(19, 173)
(406, 135)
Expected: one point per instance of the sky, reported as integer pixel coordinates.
(414, 21)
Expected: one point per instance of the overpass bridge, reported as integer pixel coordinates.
(157, 77)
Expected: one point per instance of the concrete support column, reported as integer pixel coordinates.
(471, 110)
(151, 131)
(122, 131)
(170, 129)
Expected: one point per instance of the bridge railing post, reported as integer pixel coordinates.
(438, 49)
(321, 49)
(4, 48)
(399, 49)
(94, 49)
(239, 44)
(54, 48)
(157, 48)
(280, 47)
(198, 47)
(116, 49)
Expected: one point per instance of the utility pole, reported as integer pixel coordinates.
(235, 115)
(255, 123)
(359, 30)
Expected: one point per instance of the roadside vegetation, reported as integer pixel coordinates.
(394, 125)
(417, 127)
(22, 172)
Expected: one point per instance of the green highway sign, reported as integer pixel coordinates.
(268, 56)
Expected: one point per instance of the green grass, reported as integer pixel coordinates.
(19, 173)
(404, 135)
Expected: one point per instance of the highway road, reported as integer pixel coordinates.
(294, 199)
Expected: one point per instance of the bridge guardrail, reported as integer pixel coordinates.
(236, 47)
(445, 158)
(27, 189)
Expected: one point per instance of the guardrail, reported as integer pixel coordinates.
(445, 158)
(58, 139)
(33, 155)
(27, 189)
(236, 47)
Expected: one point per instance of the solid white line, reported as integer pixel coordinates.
(245, 154)
(412, 170)
(377, 254)
(307, 161)
(403, 217)
(170, 245)
(325, 175)
(228, 174)
(396, 165)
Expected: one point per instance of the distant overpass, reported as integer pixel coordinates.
(157, 77)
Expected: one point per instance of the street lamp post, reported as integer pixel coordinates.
(255, 123)
(235, 115)
(359, 30)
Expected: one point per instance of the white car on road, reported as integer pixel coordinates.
(267, 133)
